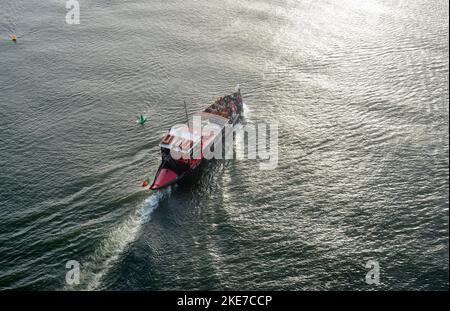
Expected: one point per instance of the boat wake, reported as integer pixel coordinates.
(109, 251)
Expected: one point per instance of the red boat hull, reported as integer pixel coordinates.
(163, 178)
(166, 177)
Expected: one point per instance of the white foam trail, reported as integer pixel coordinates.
(118, 239)
(151, 203)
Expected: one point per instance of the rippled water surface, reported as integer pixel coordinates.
(360, 92)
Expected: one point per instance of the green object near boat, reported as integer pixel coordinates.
(141, 119)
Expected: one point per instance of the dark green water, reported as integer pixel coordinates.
(360, 91)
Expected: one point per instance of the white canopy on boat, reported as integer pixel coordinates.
(203, 127)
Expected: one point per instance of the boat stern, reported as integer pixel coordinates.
(163, 178)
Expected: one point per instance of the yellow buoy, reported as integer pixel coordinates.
(14, 38)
